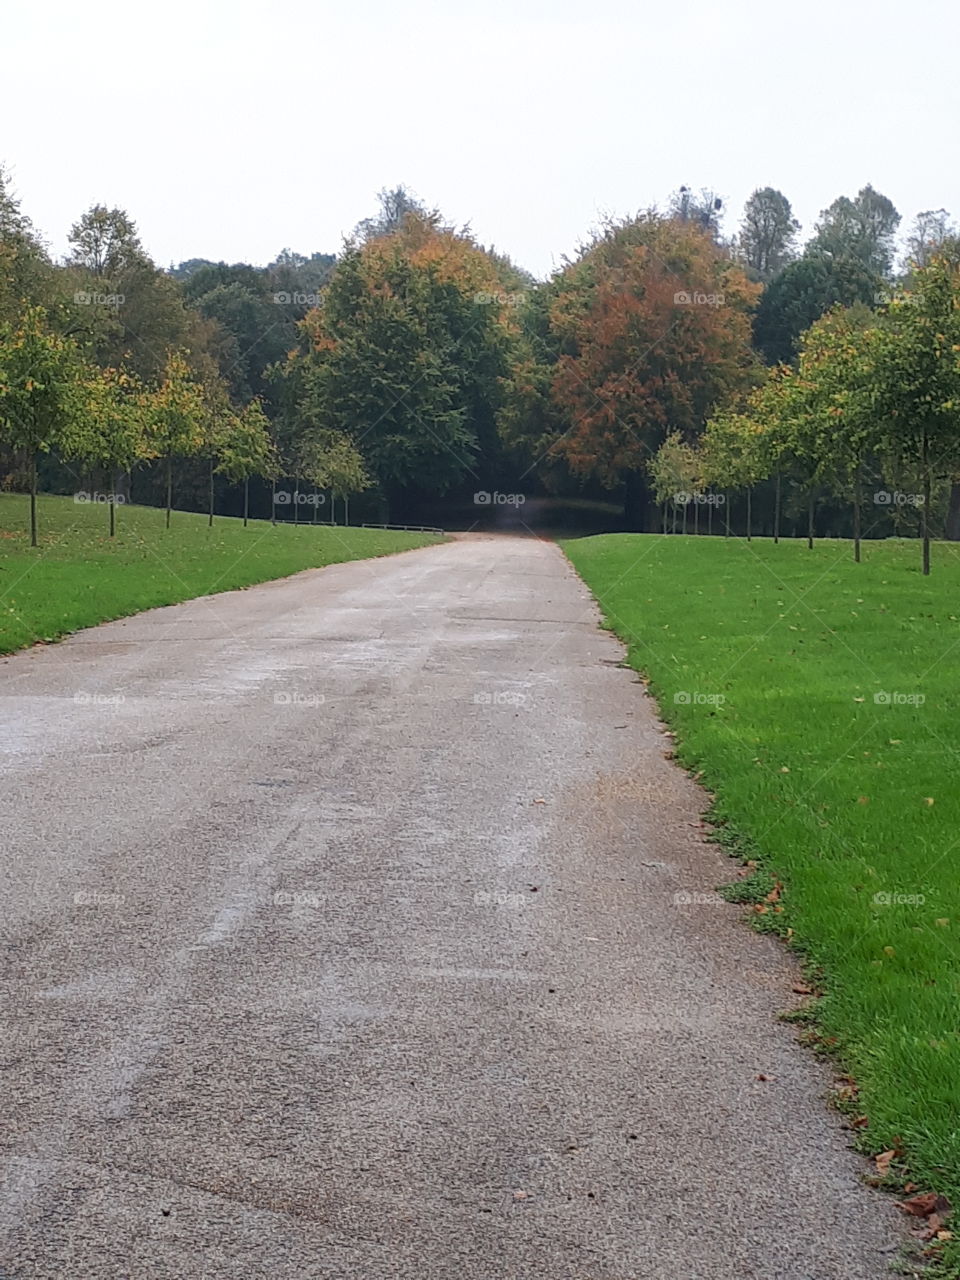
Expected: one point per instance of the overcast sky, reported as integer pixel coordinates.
(229, 130)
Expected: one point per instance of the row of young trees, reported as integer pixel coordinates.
(871, 405)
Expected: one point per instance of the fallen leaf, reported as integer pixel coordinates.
(774, 894)
(803, 991)
(928, 799)
(920, 1206)
(883, 1161)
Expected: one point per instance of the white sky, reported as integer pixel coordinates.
(229, 129)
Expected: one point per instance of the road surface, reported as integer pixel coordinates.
(345, 935)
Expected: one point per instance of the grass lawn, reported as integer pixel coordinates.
(78, 576)
(821, 700)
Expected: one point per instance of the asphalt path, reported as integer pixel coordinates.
(357, 925)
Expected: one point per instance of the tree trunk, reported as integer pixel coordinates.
(857, 499)
(33, 500)
(710, 518)
(777, 499)
(664, 515)
(810, 520)
(926, 504)
(246, 500)
(114, 481)
(696, 517)
(273, 507)
(314, 519)
(169, 488)
(296, 499)
(683, 521)
(210, 517)
(952, 529)
(726, 512)
(749, 513)
(346, 510)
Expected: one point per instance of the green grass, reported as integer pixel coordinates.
(78, 576)
(844, 798)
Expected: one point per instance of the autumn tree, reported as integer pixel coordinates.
(654, 331)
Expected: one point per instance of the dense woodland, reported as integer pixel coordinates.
(702, 382)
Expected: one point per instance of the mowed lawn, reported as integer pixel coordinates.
(79, 576)
(821, 700)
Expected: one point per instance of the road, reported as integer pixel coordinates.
(345, 935)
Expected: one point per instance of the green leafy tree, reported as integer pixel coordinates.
(768, 233)
(40, 391)
(110, 432)
(916, 380)
(248, 450)
(175, 413)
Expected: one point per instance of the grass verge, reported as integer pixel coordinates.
(821, 701)
(78, 576)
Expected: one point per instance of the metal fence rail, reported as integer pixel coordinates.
(404, 528)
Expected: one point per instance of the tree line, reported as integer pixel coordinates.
(661, 360)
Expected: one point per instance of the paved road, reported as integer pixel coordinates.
(340, 940)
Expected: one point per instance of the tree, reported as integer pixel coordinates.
(653, 331)
(247, 450)
(862, 229)
(702, 209)
(174, 417)
(26, 273)
(916, 380)
(404, 359)
(110, 432)
(40, 395)
(831, 404)
(395, 206)
(733, 456)
(931, 230)
(803, 292)
(105, 242)
(675, 472)
(768, 232)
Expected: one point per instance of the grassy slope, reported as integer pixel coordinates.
(843, 797)
(78, 576)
